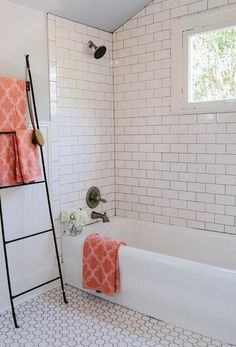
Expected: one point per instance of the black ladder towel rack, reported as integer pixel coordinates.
(52, 229)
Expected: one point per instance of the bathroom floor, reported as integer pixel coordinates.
(90, 321)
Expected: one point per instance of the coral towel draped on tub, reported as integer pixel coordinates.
(100, 264)
(19, 158)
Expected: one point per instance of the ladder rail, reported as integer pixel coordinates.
(21, 184)
(7, 266)
(28, 236)
(45, 179)
(36, 287)
(52, 229)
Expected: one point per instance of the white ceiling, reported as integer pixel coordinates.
(102, 14)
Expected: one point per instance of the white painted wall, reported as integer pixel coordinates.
(24, 31)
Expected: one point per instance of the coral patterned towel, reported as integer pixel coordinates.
(28, 156)
(19, 158)
(12, 104)
(9, 164)
(101, 264)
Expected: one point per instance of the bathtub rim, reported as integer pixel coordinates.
(212, 233)
(163, 257)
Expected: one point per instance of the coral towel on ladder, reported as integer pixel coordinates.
(100, 264)
(19, 158)
(12, 104)
(9, 165)
(28, 156)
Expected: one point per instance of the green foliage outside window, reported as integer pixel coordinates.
(214, 65)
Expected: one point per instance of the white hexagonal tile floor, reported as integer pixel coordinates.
(89, 321)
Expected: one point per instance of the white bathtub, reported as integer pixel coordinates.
(183, 276)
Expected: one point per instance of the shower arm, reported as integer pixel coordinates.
(91, 44)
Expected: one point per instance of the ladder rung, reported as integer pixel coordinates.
(21, 184)
(36, 287)
(27, 236)
(7, 132)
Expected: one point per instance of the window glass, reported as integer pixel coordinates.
(212, 73)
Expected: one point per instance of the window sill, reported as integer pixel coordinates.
(215, 107)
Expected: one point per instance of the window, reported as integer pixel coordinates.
(204, 63)
(212, 59)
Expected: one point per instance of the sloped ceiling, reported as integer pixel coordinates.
(102, 14)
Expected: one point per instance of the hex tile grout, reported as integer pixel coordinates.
(90, 321)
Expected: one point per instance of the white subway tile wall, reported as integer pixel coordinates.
(82, 114)
(174, 169)
(170, 168)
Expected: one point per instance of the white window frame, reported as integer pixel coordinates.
(182, 29)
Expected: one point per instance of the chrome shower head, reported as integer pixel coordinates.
(99, 51)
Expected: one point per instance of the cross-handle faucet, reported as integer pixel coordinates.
(103, 216)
